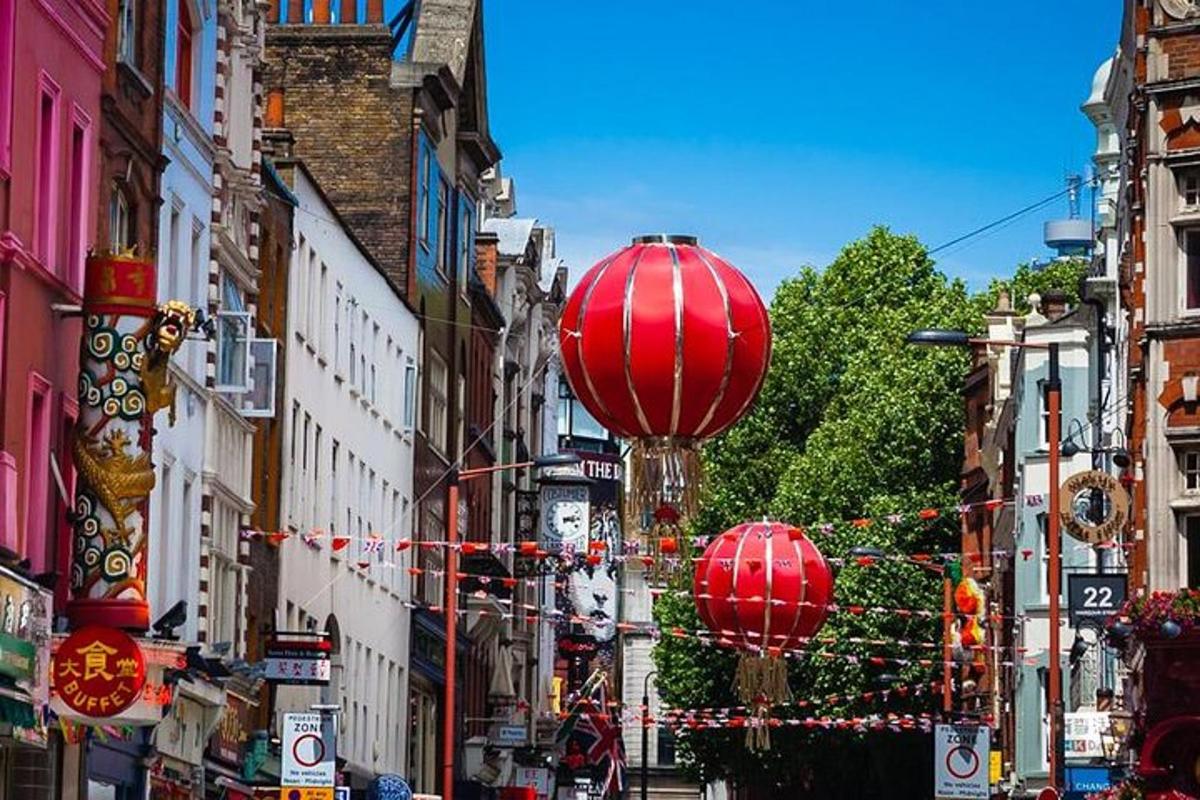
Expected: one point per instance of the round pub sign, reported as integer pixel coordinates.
(1093, 506)
(98, 671)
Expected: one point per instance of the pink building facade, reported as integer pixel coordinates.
(51, 64)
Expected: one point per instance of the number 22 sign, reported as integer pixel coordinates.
(1095, 598)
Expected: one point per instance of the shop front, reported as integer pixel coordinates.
(178, 773)
(230, 759)
(27, 749)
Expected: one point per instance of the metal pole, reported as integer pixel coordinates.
(947, 646)
(451, 605)
(645, 730)
(1054, 407)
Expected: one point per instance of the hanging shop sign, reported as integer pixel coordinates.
(1085, 519)
(298, 662)
(99, 671)
(1085, 780)
(1083, 733)
(146, 707)
(228, 742)
(1095, 597)
(309, 751)
(23, 621)
(961, 762)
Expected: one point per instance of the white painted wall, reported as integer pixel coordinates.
(338, 304)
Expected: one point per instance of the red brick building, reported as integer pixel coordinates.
(1154, 97)
(130, 127)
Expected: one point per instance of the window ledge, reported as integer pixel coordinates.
(312, 350)
(324, 362)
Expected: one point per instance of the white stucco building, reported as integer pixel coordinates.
(349, 411)
(190, 57)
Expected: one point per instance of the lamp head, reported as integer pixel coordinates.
(934, 337)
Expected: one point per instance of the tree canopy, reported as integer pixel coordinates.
(852, 423)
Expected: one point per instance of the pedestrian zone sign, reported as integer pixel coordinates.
(961, 756)
(308, 757)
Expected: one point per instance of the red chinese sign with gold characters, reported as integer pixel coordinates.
(98, 671)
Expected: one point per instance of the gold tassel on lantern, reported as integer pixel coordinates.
(665, 479)
(761, 682)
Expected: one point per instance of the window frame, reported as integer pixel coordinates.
(1189, 272)
(185, 58)
(437, 407)
(424, 196)
(1189, 466)
(127, 23)
(120, 218)
(8, 50)
(48, 165)
(78, 218)
(443, 229)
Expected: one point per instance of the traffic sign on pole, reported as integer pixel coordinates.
(309, 751)
(961, 757)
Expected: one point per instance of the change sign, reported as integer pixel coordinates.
(309, 751)
(960, 762)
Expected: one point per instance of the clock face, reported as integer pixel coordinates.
(1182, 9)
(565, 515)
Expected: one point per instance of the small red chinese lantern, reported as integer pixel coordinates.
(667, 344)
(764, 588)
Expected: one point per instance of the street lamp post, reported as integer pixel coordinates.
(943, 338)
(454, 478)
(645, 730)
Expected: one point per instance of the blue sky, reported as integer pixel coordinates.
(779, 134)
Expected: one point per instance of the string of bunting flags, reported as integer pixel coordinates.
(376, 543)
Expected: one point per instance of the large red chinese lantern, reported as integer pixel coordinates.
(764, 588)
(666, 344)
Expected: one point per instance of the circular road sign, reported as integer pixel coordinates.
(962, 762)
(308, 750)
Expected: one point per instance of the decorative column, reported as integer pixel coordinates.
(123, 381)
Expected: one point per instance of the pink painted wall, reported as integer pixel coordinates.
(54, 45)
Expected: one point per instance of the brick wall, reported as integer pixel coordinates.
(351, 127)
(1183, 56)
(131, 128)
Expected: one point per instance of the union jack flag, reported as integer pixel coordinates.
(593, 729)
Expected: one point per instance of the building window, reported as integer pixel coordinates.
(127, 31)
(443, 237)
(410, 393)
(1192, 531)
(37, 462)
(184, 61)
(47, 167)
(1189, 190)
(424, 199)
(466, 242)
(1191, 269)
(78, 220)
(7, 48)
(439, 378)
(120, 219)
(173, 247)
(1191, 471)
(666, 746)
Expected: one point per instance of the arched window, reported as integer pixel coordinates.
(120, 219)
(127, 31)
(184, 57)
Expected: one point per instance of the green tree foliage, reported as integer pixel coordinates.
(852, 422)
(1064, 275)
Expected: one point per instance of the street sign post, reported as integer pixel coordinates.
(309, 751)
(961, 757)
(1095, 597)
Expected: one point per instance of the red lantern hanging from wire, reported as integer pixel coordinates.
(764, 588)
(666, 344)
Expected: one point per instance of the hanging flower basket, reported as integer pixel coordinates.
(1160, 614)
